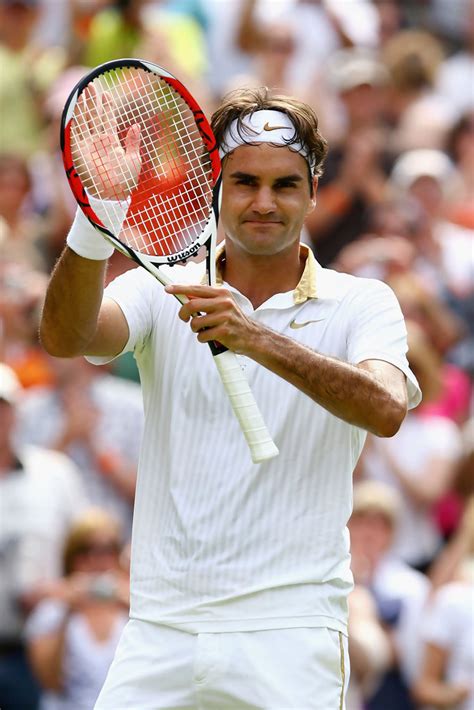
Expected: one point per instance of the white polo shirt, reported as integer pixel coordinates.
(220, 543)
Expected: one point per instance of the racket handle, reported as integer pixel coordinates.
(245, 407)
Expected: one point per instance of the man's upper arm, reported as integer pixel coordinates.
(112, 332)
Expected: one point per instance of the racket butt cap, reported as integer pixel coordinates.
(264, 451)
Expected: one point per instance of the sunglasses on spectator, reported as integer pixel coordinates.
(96, 549)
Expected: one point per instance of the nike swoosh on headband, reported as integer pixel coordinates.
(296, 325)
(267, 127)
(258, 127)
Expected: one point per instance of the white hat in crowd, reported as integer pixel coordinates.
(376, 497)
(424, 162)
(349, 68)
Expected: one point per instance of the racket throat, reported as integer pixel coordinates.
(217, 348)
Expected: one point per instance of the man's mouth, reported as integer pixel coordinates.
(262, 221)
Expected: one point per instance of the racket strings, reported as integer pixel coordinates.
(167, 182)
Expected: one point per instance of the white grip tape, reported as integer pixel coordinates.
(245, 407)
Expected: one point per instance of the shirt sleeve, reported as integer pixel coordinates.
(140, 297)
(377, 331)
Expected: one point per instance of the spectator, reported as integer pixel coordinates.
(21, 293)
(72, 636)
(460, 146)
(97, 419)
(22, 229)
(40, 496)
(400, 592)
(50, 191)
(454, 75)
(444, 249)
(419, 462)
(385, 250)
(447, 674)
(442, 326)
(30, 70)
(370, 649)
(344, 200)
(464, 476)
(419, 117)
(127, 27)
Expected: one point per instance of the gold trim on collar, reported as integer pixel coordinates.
(306, 287)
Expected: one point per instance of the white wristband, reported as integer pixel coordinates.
(87, 241)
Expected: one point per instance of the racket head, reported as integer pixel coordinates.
(142, 161)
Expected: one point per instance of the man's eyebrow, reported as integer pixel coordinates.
(239, 175)
(289, 178)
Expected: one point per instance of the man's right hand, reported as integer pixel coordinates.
(108, 169)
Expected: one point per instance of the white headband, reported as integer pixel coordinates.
(266, 126)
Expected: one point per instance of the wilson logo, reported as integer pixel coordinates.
(182, 255)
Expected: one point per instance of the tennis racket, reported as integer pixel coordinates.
(143, 165)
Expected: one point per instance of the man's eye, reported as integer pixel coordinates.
(289, 184)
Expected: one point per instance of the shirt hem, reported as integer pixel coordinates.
(194, 626)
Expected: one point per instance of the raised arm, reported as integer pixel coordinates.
(76, 320)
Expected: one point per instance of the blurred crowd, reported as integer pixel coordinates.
(392, 82)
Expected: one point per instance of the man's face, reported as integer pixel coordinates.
(265, 198)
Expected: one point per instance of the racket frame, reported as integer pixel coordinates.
(243, 403)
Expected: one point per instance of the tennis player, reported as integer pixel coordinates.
(241, 572)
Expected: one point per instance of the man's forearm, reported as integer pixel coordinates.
(72, 304)
(349, 392)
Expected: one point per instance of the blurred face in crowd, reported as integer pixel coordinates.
(14, 184)
(278, 48)
(363, 103)
(464, 144)
(17, 20)
(428, 192)
(98, 554)
(371, 534)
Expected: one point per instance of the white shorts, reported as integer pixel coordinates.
(161, 667)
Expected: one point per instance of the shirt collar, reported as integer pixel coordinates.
(306, 287)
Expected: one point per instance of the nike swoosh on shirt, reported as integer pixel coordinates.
(296, 325)
(267, 127)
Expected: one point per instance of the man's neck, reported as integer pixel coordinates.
(261, 277)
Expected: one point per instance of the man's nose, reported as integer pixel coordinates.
(264, 200)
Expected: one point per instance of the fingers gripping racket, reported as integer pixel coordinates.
(143, 165)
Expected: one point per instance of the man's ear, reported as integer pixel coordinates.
(312, 204)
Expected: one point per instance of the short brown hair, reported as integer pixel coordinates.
(243, 102)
